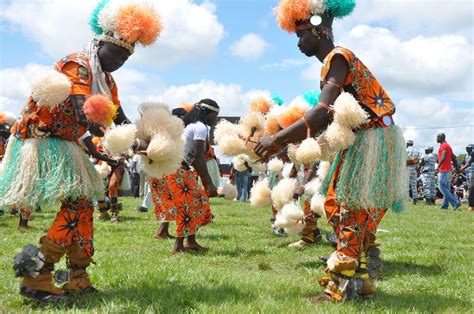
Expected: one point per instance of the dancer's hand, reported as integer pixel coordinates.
(211, 190)
(266, 147)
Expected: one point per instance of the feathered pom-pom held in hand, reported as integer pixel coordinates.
(100, 109)
(50, 88)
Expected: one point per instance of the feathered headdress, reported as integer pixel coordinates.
(290, 12)
(125, 23)
(7, 118)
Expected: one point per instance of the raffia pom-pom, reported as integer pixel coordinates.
(348, 112)
(283, 192)
(257, 167)
(50, 88)
(261, 195)
(230, 192)
(292, 149)
(290, 218)
(339, 137)
(323, 170)
(163, 148)
(312, 187)
(272, 126)
(317, 204)
(100, 109)
(276, 165)
(253, 124)
(239, 162)
(308, 151)
(138, 22)
(261, 105)
(103, 170)
(155, 118)
(119, 140)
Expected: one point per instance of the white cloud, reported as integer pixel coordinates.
(286, 64)
(409, 18)
(418, 66)
(423, 118)
(249, 47)
(15, 86)
(192, 31)
(232, 99)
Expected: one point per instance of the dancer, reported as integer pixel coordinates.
(179, 197)
(362, 158)
(44, 163)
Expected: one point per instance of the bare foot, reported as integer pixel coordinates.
(178, 250)
(195, 247)
(165, 236)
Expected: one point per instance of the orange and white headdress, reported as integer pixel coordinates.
(126, 23)
(291, 13)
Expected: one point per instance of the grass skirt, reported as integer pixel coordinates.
(44, 171)
(373, 174)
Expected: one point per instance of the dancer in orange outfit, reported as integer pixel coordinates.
(179, 197)
(369, 173)
(44, 162)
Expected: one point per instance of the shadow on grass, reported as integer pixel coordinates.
(166, 297)
(239, 252)
(415, 301)
(218, 236)
(396, 267)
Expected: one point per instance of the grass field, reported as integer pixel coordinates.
(427, 252)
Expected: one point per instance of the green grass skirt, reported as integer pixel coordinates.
(43, 171)
(373, 172)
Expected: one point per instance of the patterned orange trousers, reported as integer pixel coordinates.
(353, 227)
(179, 197)
(74, 223)
(114, 181)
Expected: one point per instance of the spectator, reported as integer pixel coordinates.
(445, 169)
(469, 168)
(412, 162)
(242, 182)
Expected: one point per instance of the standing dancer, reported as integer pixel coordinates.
(373, 161)
(178, 197)
(45, 164)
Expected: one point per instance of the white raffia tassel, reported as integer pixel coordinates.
(308, 151)
(283, 192)
(327, 152)
(239, 162)
(230, 192)
(257, 167)
(275, 165)
(287, 169)
(103, 170)
(339, 137)
(119, 140)
(348, 112)
(157, 118)
(323, 170)
(317, 204)
(292, 149)
(50, 88)
(312, 187)
(261, 195)
(252, 120)
(290, 218)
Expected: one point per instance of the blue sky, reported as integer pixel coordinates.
(425, 64)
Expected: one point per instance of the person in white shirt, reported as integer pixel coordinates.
(179, 197)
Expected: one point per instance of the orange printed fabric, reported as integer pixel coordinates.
(74, 223)
(114, 181)
(351, 226)
(179, 197)
(40, 122)
(370, 92)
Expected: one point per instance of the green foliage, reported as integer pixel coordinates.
(427, 254)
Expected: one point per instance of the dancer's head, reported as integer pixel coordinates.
(205, 111)
(119, 26)
(311, 20)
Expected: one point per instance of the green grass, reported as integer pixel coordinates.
(427, 252)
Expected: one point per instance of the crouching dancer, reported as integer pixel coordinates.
(44, 162)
